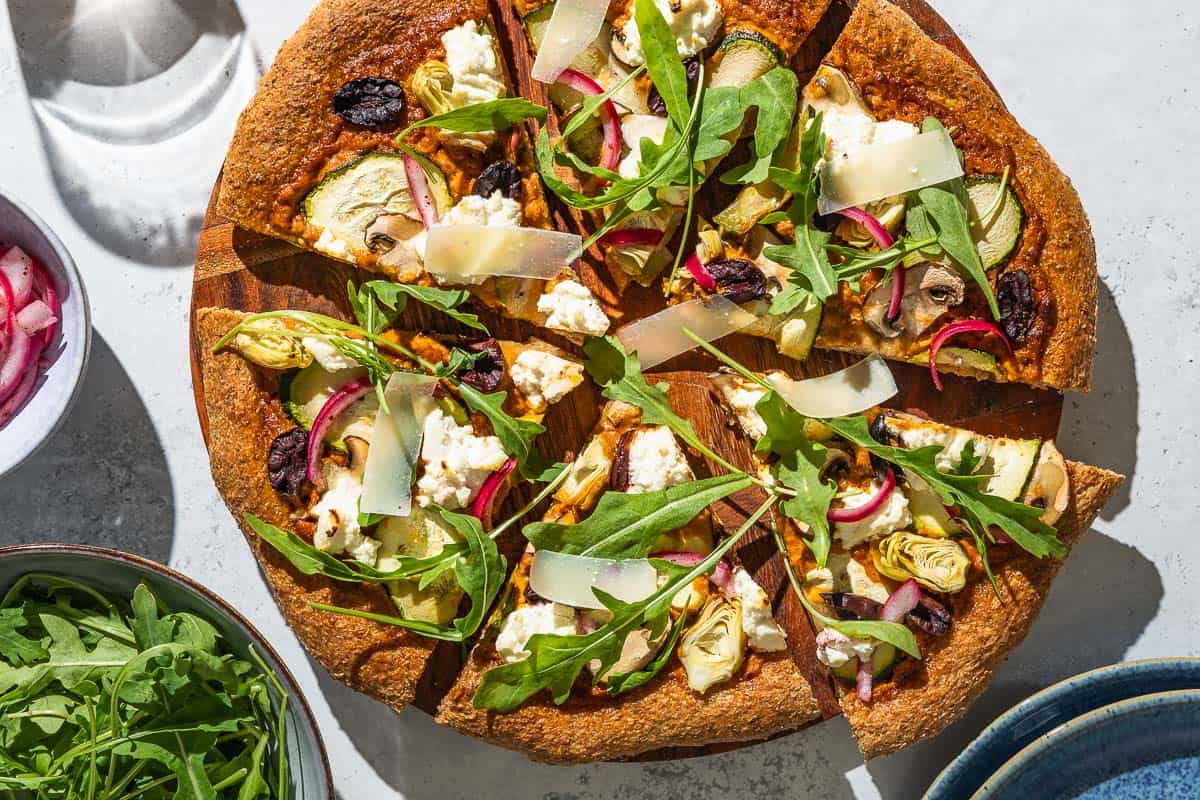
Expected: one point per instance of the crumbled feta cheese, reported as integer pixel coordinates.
(523, 623)
(656, 461)
(337, 517)
(544, 378)
(571, 307)
(327, 355)
(694, 23)
(849, 128)
(835, 649)
(471, 58)
(951, 440)
(330, 245)
(762, 631)
(742, 397)
(455, 462)
(634, 128)
(893, 515)
(496, 211)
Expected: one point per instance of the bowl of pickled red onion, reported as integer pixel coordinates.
(45, 333)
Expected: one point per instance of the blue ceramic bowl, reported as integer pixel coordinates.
(1137, 749)
(1052, 707)
(117, 573)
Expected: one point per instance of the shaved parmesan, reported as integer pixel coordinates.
(876, 171)
(660, 336)
(569, 579)
(573, 26)
(396, 445)
(840, 394)
(469, 253)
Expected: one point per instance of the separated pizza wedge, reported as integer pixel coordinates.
(910, 215)
(628, 626)
(380, 514)
(386, 135)
(922, 551)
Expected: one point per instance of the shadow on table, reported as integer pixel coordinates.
(1101, 601)
(102, 479)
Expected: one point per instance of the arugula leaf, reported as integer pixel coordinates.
(894, 633)
(15, 647)
(943, 210)
(493, 115)
(774, 94)
(721, 113)
(393, 296)
(627, 525)
(662, 59)
(516, 435)
(628, 681)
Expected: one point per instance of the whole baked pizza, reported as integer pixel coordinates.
(615, 185)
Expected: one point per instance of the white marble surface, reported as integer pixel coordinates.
(1112, 91)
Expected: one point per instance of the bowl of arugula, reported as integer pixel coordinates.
(120, 678)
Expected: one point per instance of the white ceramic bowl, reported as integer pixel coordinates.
(58, 386)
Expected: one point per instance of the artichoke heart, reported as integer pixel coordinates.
(938, 564)
(433, 85)
(267, 343)
(713, 649)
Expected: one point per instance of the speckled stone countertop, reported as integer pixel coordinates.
(1111, 91)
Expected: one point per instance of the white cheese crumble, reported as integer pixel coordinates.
(327, 355)
(330, 245)
(762, 631)
(848, 129)
(455, 462)
(951, 440)
(694, 22)
(569, 306)
(742, 397)
(656, 461)
(544, 378)
(471, 58)
(523, 623)
(496, 211)
(634, 128)
(337, 517)
(893, 515)
(835, 649)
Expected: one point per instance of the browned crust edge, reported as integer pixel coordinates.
(958, 667)
(883, 51)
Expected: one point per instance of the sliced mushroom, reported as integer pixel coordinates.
(837, 462)
(636, 653)
(358, 454)
(1050, 487)
(930, 290)
(830, 87)
(389, 231)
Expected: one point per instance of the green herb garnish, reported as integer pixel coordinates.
(493, 115)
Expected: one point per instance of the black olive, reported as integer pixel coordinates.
(287, 462)
(370, 102)
(827, 222)
(880, 431)
(655, 101)
(881, 467)
(1014, 295)
(931, 616)
(488, 370)
(738, 280)
(618, 479)
(502, 176)
(852, 606)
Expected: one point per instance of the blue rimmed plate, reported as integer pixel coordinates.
(1052, 707)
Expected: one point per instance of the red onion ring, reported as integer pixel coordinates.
(35, 317)
(863, 680)
(22, 391)
(338, 402)
(703, 277)
(17, 266)
(610, 153)
(721, 576)
(43, 284)
(862, 512)
(893, 309)
(874, 227)
(645, 237)
(484, 502)
(901, 601)
(954, 329)
(418, 187)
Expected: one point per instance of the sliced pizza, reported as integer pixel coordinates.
(923, 552)
(909, 214)
(629, 626)
(385, 135)
(365, 469)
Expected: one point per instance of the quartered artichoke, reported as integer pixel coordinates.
(714, 647)
(433, 85)
(938, 564)
(263, 343)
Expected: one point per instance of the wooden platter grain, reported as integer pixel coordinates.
(246, 271)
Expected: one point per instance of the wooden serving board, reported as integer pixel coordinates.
(249, 272)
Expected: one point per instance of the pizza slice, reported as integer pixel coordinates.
(381, 515)
(385, 135)
(923, 552)
(909, 215)
(628, 625)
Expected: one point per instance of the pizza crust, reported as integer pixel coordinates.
(956, 668)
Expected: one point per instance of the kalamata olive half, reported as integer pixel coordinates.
(370, 102)
(618, 479)
(852, 606)
(286, 462)
(654, 100)
(880, 431)
(488, 370)
(931, 616)
(502, 176)
(738, 280)
(1014, 295)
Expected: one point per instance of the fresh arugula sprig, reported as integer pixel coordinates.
(394, 297)
(493, 115)
(556, 661)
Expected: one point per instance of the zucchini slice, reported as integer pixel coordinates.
(535, 23)
(882, 660)
(995, 237)
(308, 390)
(742, 56)
(1009, 462)
(965, 359)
